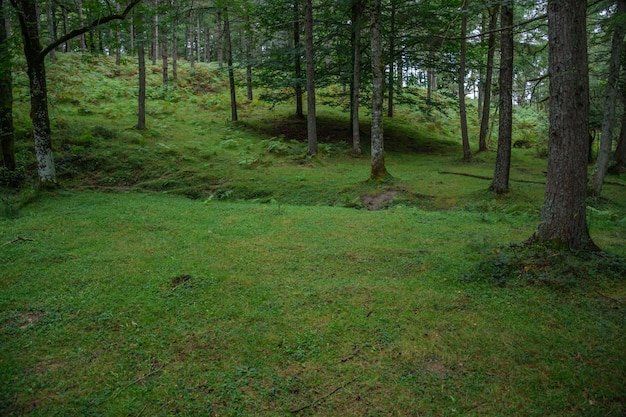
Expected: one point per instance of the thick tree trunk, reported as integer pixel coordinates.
(500, 182)
(486, 92)
(310, 79)
(7, 135)
(563, 217)
(606, 138)
(298, 61)
(379, 171)
(229, 62)
(357, 13)
(467, 156)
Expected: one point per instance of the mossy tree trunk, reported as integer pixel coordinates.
(500, 182)
(229, 63)
(297, 46)
(563, 217)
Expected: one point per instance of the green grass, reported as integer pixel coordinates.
(272, 291)
(131, 302)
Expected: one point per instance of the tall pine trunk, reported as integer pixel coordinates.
(392, 60)
(500, 182)
(606, 137)
(461, 81)
(310, 79)
(7, 133)
(486, 92)
(378, 171)
(620, 152)
(141, 61)
(357, 13)
(229, 62)
(298, 60)
(563, 216)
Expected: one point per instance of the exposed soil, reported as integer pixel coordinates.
(376, 202)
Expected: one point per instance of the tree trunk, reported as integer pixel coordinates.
(379, 171)
(357, 13)
(164, 59)
(486, 93)
(298, 61)
(155, 36)
(620, 151)
(50, 23)
(310, 79)
(174, 45)
(229, 62)
(7, 133)
(392, 52)
(462, 109)
(38, 92)
(610, 100)
(192, 49)
(83, 41)
(141, 60)
(563, 217)
(500, 182)
(249, 41)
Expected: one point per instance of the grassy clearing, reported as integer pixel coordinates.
(135, 303)
(272, 291)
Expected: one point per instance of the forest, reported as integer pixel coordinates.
(312, 207)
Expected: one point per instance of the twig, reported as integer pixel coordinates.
(141, 378)
(611, 298)
(320, 399)
(17, 239)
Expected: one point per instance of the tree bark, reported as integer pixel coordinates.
(467, 156)
(38, 92)
(357, 14)
(310, 79)
(7, 133)
(563, 216)
(392, 52)
(229, 62)
(141, 61)
(174, 45)
(486, 92)
(83, 41)
(378, 171)
(610, 100)
(620, 152)
(500, 182)
(298, 60)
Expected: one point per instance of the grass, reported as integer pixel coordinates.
(272, 291)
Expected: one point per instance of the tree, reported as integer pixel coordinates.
(486, 93)
(563, 216)
(379, 171)
(500, 182)
(35, 54)
(357, 13)
(310, 78)
(461, 84)
(7, 135)
(229, 62)
(141, 62)
(606, 137)
(620, 152)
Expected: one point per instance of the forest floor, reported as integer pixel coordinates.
(204, 267)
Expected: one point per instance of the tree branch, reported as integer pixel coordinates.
(85, 29)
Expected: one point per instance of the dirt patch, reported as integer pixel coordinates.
(31, 318)
(375, 202)
(181, 280)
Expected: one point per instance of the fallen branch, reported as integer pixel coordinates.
(17, 239)
(615, 300)
(619, 184)
(322, 398)
(484, 177)
(130, 384)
